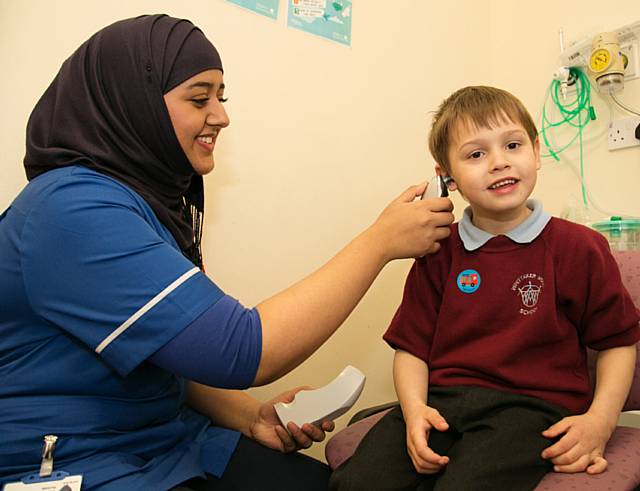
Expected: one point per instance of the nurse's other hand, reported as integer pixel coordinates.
(408, 227)
(267, 429)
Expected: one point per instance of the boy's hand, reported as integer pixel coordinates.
(582, 446)
(419, 424)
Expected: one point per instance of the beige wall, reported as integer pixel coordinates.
(323, 135)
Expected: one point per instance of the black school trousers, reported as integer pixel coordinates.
(494, 443)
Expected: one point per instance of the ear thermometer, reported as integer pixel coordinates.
(328, 402)
(437, 188)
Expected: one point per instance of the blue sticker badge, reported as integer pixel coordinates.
(468, 281)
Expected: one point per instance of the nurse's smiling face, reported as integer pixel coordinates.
(198, 115)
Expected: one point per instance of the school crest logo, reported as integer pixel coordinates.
(528, 287)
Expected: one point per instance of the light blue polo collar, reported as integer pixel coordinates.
(473, 238)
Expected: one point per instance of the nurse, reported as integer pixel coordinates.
(111, 335)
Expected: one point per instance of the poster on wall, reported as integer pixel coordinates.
(268, 8)
(329, 19)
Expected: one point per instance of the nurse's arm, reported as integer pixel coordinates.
(239, 411)
(232, 409)
(298, 320)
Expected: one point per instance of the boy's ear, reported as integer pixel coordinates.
(536, 152)
(451, 184)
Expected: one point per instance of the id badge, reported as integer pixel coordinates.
(57, 481)
(47, 479)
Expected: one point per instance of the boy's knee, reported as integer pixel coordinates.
(349, 478)
(363, 478)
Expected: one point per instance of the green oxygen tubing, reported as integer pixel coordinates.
(576, 110)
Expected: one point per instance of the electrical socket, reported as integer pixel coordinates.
(632, 70)
(622, 133)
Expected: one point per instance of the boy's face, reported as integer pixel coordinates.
(494, 169)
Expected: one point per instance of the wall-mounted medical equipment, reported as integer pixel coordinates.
(606, 61)
(609, 58)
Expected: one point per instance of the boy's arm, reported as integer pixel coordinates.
(411, 379)
(615, 368)
(586, 436)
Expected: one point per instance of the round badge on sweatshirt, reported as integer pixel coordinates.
(468, 281)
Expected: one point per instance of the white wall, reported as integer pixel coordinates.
(324, 135)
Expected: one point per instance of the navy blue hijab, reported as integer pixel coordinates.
(105, 110)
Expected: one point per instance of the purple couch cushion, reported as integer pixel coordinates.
(344, 443)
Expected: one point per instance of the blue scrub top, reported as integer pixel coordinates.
(92, 284)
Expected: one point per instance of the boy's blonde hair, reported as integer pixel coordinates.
(480, 107)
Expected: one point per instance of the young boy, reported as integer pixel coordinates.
(491, 336)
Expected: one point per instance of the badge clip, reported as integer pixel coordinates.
(47, 479)
(46, 466)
